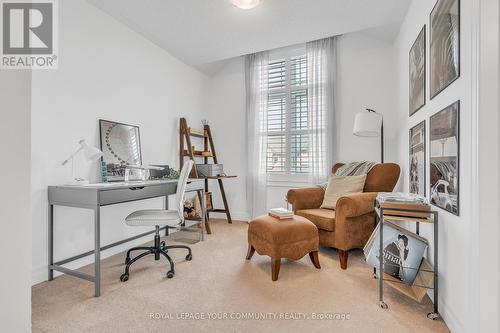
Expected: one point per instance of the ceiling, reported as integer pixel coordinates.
(199, 32)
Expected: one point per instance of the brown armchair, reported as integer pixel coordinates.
(351, 223)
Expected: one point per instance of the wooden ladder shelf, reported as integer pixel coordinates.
(186, 149)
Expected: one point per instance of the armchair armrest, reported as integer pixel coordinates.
(351, 229)
(305, 198)
(356, 204)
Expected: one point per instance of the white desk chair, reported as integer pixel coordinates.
(160, 218)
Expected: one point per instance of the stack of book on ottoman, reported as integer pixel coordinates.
(280, 213)
(405, 267)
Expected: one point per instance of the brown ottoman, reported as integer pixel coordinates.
(289, 238)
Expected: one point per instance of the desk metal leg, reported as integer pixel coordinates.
(166, 208)
(203, 214)
(97, 251)
(50, 233)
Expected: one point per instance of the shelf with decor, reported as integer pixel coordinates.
(188, 150)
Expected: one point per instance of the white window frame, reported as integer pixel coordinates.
(287, 54)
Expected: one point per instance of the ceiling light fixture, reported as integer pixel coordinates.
(246, 4)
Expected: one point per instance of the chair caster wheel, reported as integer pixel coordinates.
(127, 260)
(170, 274)
(433, 315)
(189, 257)
(124, 277)
(383, 305)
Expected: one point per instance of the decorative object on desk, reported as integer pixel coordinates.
(444, 45)
(173, 174)
(91, 154)
(370, 124)
(104, 172)
(121, 146)
(417, 159)
(161, 173)
(403, 251)
(139, 172)
(417, 73)
(280, 213)
(444, 159)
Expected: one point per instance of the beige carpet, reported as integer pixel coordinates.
(220, 282)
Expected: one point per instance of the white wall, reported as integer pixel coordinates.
(487, 300)
(455, 275)
(366, 76)
(15, 244)
(226, 114)
(366, 80)
(105, 71)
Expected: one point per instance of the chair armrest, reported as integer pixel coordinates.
(356, 204)
(305, 198)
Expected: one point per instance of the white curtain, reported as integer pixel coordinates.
(256, 82)
(321, 66)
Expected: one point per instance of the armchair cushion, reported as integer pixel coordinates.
(323, 218)
(338, 186)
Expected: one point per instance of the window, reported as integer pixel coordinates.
(287, 117)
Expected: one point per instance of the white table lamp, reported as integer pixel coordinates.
(370, 124)
(91, 154)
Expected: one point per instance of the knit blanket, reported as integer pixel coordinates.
(355, 168)
(352, 169)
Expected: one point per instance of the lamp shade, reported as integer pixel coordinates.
(91, 153)
(367, 124)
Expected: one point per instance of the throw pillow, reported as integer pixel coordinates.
(338, 186)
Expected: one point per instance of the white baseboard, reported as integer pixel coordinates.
(451, 320)
(238, 216)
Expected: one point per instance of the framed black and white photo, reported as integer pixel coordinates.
(444, 158)
(121, 146)
(417, 159)
(444, 45)
(417, 73)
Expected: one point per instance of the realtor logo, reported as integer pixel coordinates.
(29, 35)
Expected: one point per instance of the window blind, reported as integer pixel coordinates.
(287, 117)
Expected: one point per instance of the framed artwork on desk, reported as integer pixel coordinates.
(121, 146)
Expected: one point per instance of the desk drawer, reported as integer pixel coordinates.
(113, 196)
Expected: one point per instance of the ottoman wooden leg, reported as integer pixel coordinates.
(314, 258)
(250, 252)
(343, 258)
(275, 267)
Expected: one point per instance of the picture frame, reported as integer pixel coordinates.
(444, 23)
(121, 146)
(444, 161)
(417, 159)
(417, 73)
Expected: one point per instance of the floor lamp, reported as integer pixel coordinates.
(370, 124)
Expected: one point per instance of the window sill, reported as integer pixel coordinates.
(287, 180)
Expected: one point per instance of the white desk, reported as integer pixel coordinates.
(94, 196)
